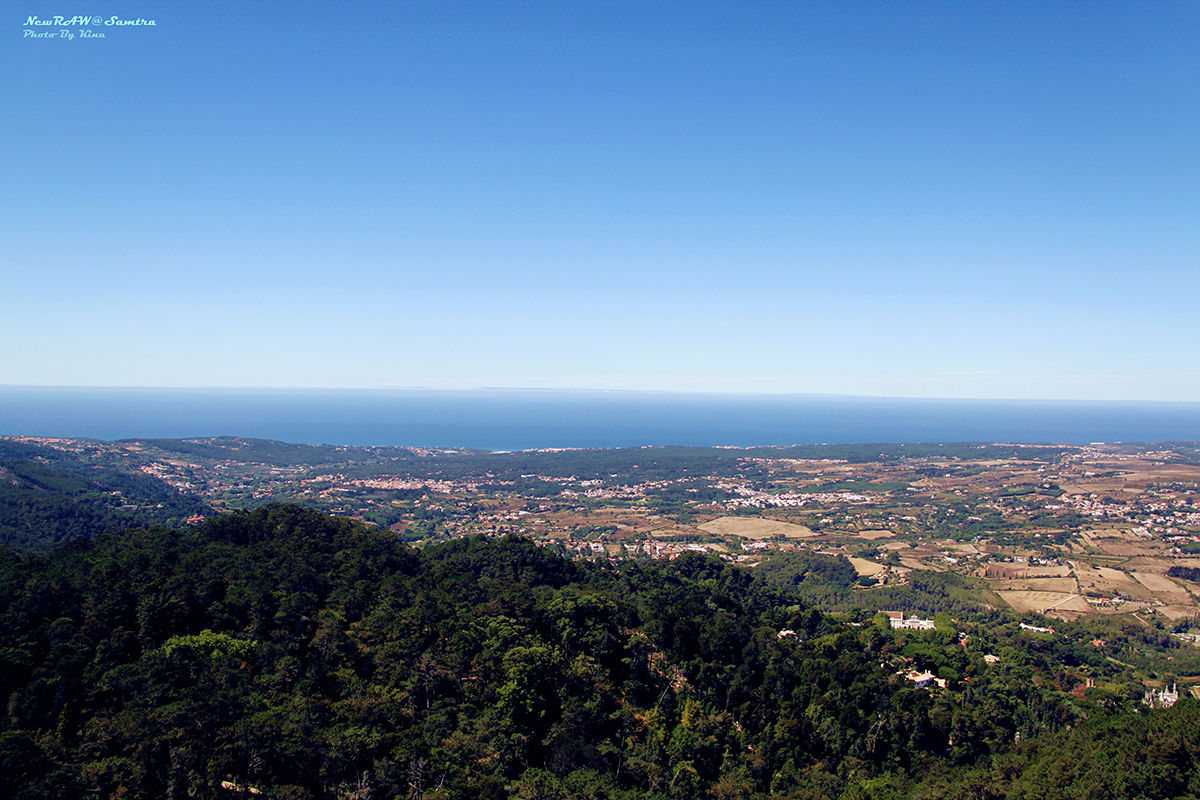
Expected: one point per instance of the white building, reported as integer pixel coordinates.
(1163, 698)
(897, 620)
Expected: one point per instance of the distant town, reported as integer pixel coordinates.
(1061, 530)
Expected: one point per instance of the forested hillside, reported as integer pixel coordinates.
(295, 655)
(48, 496)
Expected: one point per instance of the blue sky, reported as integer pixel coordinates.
(951, 199)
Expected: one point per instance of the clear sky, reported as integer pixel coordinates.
(958, 199)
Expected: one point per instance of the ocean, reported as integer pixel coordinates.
(510, 419)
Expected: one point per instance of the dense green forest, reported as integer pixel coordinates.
(282, 454)
(304, 656)
(48, 497)
(634, 464)
(598, 462)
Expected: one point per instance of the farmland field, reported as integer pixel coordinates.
(1044, 601)
(1040, 585)
(755, 528)
(866, 568)
(1163, 587)
(872, 535)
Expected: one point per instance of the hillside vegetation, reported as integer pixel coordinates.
(48, 497)
(305, 656)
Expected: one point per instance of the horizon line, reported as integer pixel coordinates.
(594, 390)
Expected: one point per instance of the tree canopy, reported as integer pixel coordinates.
(306, 656)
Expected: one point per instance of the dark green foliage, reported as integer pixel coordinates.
(1154, 756)
(43, 504)
(269, 451)
(1148, 757)
(819, 579)
(1187, 573)
(638, 464)
(308, 656)
(831, 583)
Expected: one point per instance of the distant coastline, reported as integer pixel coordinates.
(518, 419)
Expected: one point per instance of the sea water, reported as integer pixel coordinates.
(511, 419)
